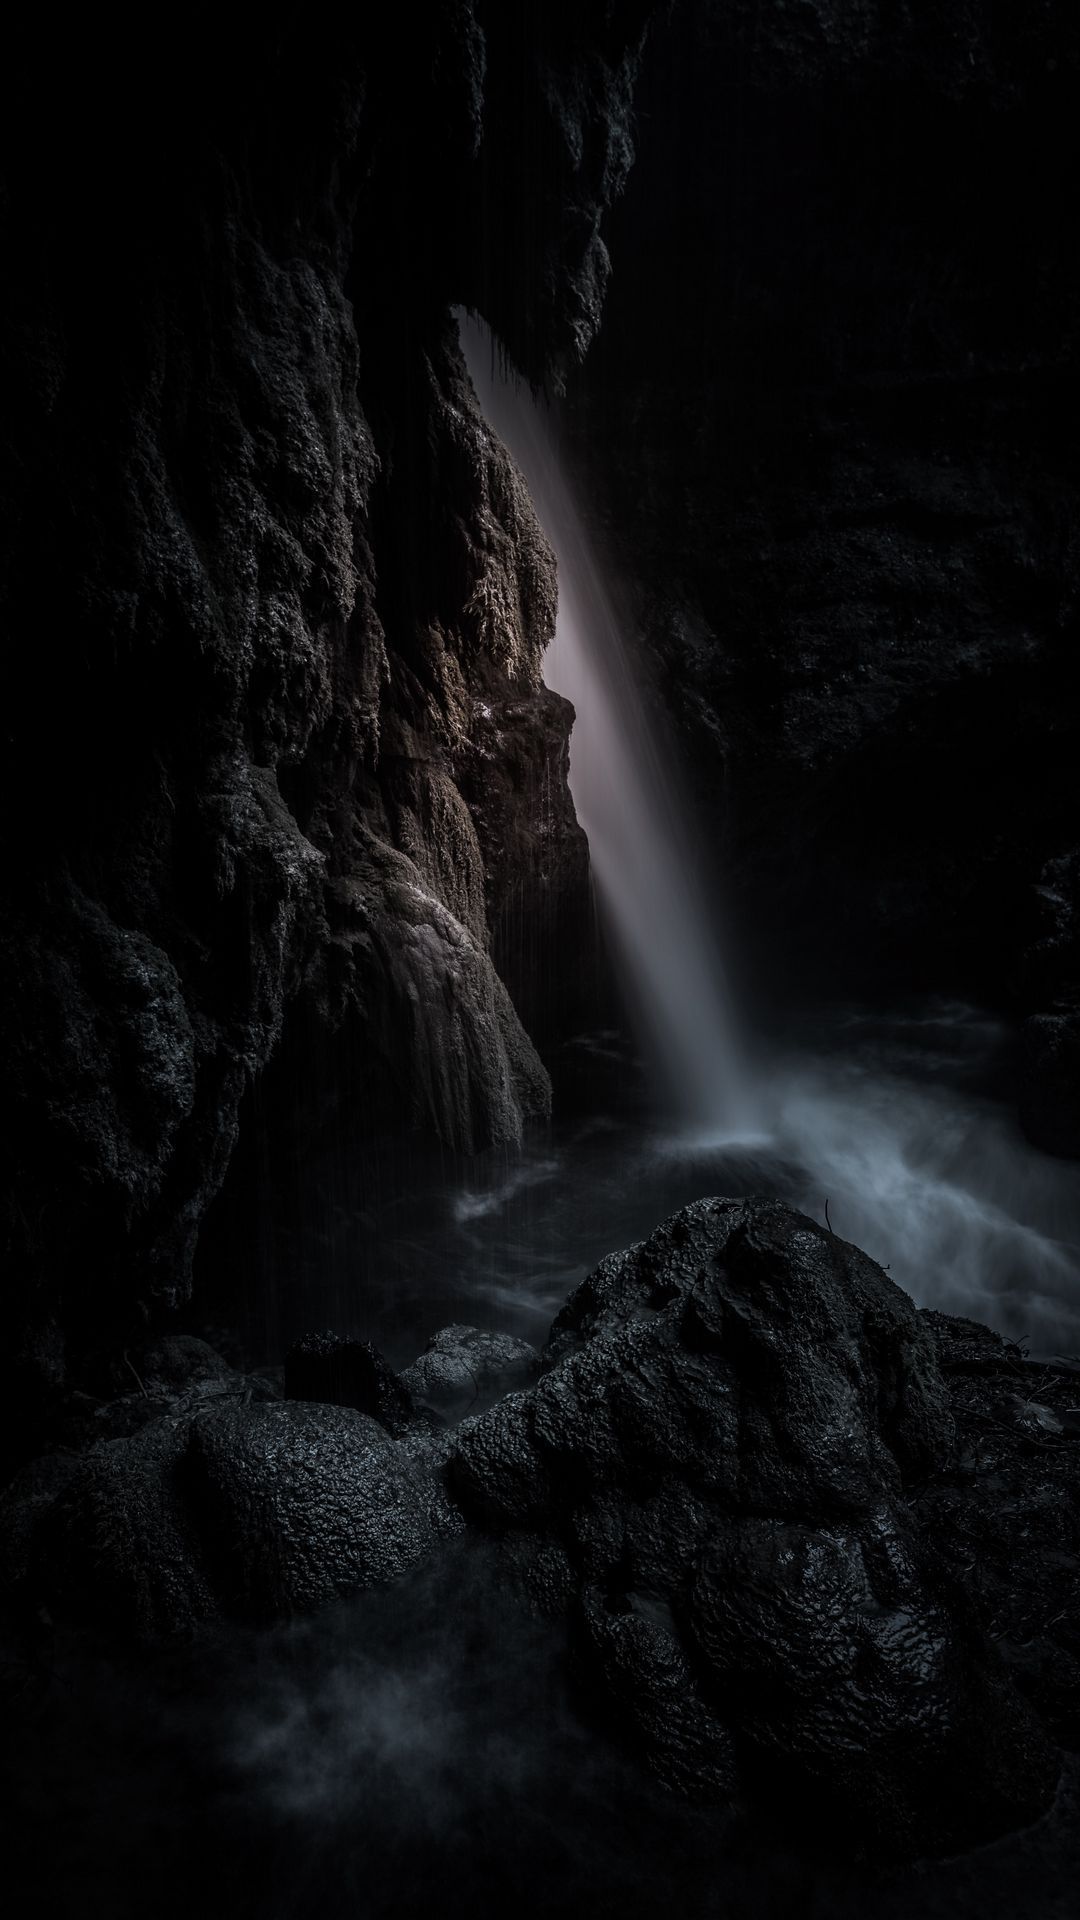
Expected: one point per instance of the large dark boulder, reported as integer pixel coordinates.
(811, 1548)
(216, 1500)
(106, 1538)
(721, 1456)
(339, 1372)
(1006, 1512)
(302, 1504)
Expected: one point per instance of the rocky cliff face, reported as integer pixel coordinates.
(276, 603)
(831, 413)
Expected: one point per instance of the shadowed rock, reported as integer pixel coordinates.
(724, 1445)
(218, 1500)
(340, 1372)
(298, 601)
(811, 1546)
(305, 1503)
(463, 1366)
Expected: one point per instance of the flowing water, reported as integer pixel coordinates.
(893, 1122)
(420, 1748)
(896, 1121)
(625, 793)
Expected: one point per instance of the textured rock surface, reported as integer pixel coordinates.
(461, 1366)
(114, 1546)
(828, 427)
(810, 1547)
(305, 1503)
(273, 594)
(339, 1372)
(716, 1473)
(216, 1498)
(1007, 1511)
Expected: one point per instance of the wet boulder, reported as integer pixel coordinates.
(464, 1368)
(107, 1537)
(337, 1371)
(223, 1505)
(633, 1655)
(722, 1450)
(177, 1362)
(1005, 1512)
(302, 1504)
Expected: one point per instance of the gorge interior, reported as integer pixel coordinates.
(894, 1119)
(739, 1585)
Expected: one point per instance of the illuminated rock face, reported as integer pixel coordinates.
(276, 601)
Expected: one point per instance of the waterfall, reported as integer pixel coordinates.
(641, 837)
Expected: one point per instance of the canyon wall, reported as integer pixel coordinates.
(830, 427)
(279, 766)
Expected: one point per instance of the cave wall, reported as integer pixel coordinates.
(276, 601)
(829, 431)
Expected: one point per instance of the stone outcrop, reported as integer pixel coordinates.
(463, 1368)
(723, 1453)
(273, 594)
(810, 1548)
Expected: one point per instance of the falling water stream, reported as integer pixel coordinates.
(892, 1121)
(896, 1118)
(420, 1747)
(624, 792)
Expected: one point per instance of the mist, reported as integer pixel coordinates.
(417, 1749)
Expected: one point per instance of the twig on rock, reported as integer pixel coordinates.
(142, 1386)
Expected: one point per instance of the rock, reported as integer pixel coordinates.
(1005, 1513)
(1050, 1081)
(120, 1547)
(222, 1500)
(844, 533)
(723, 1446)
(463, 1368)
(808, 1543)
(301, 1504)
(824, 1357)
(24, 1503)
(836, 1659)
(636, 1658)
(177, 1361)
(340, 1372)
(293, 576)
(966, 1346)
